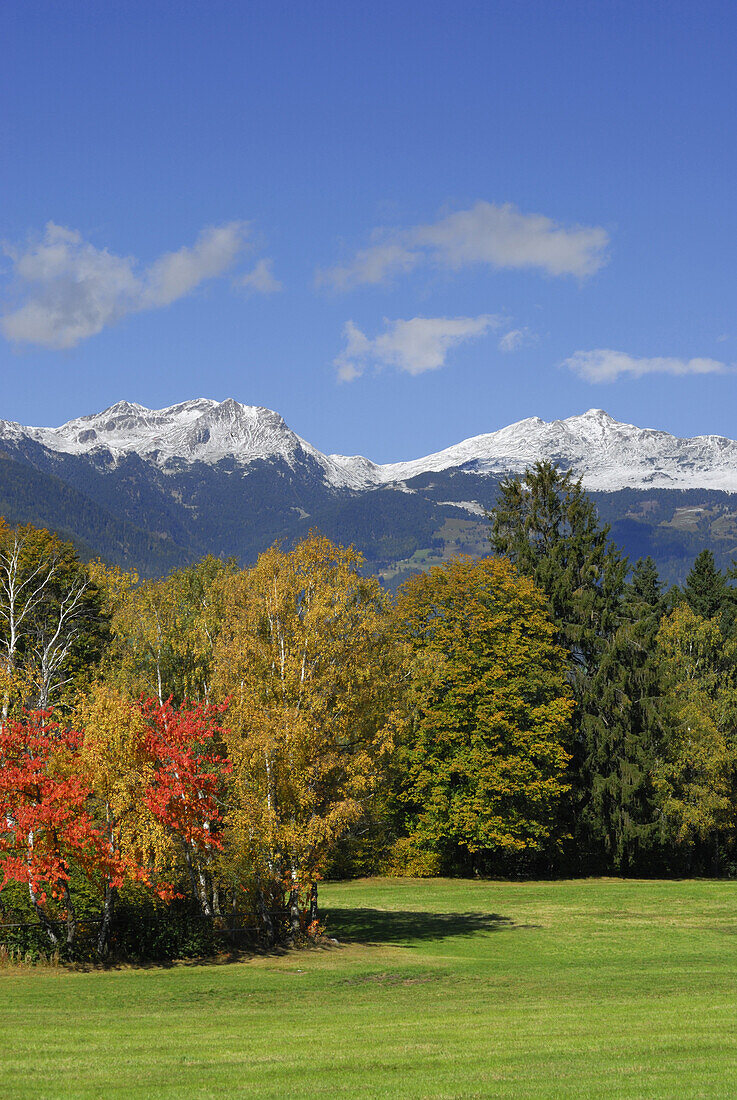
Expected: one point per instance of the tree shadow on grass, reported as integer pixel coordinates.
(377, 926)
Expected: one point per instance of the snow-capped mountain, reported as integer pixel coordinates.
(201, 430)
(607, 454)
(153, 489)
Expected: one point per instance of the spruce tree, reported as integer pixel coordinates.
(548, 527)
(644, 592)
(621, 728)
(708, 592)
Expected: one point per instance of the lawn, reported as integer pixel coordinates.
(440, 988)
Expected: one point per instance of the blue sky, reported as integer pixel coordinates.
(399, 224)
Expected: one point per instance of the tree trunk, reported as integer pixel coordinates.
(108, 907)
(265, 918)
(294, 922)
(71, 916)
(313, 903)
(43, 919)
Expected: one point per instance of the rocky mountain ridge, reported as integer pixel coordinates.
(152, 489)
(607, 454)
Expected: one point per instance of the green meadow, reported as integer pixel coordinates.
(438, 988)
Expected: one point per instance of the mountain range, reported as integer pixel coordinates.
(157, 488)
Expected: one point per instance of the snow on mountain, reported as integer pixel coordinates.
(201, 430)
(608, 455)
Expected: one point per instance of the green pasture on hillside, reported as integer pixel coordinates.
(440, 988)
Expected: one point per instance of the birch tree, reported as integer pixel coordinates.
(50, 620)
(165, 631)
(307, 657)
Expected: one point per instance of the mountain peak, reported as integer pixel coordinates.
(606, 453)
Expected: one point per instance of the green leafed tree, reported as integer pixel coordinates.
(694, 773)
(484, 765)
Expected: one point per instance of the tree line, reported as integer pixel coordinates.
(191, 755)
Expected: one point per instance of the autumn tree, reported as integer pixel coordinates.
(46, 829)
(307, 657)
(185, 790)
(165, 631)
(52, 628)
(116, 764)
(695, 769)
(486, 756)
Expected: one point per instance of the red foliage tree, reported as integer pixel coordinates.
(45, 827)
(184, 791)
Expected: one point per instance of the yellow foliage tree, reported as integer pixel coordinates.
(114, 762)
(307, 657)
(166, 629)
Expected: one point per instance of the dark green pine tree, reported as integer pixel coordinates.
(545, 523)
(620, 729)
(644, 592)
(708, 592)
(548, 527)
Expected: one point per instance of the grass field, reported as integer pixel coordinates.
(439, 989)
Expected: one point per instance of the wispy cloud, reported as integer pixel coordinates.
(499, 236)
(414, 346)
(516, 338)
(605, 365)
(71, 290)
(261, 280)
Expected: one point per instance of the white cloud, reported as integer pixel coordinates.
(604, 365)
(74, 290)
(372, 266)
(516, 338)
(176, 274)
(351, 362)
(413, 346)
(261, 279)
(496, 235)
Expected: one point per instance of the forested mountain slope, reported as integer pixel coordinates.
(158, 488)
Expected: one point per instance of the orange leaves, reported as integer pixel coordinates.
(183, 792)
(66, 801)
(45, 826)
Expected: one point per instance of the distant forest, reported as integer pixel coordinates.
(141, 517)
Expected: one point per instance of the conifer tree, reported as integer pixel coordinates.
(644, 592)
(549, 529)
(708, 593)
(621, 729)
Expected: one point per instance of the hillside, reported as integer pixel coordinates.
(158, 488)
